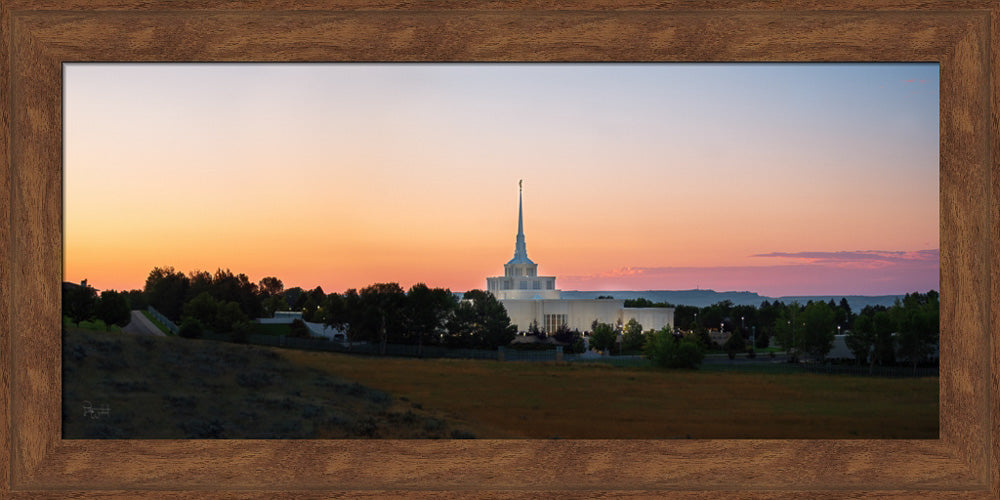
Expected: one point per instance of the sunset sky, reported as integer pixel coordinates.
(782, 179)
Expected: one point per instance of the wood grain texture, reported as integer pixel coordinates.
(39, 36)
(5, 255)
(965, 245)
(994, 161)
(528, 5)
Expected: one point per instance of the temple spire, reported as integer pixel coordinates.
(520, 251)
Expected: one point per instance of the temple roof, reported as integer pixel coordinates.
(520, 250)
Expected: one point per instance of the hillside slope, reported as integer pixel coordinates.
(170, 387)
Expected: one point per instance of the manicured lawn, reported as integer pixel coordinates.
(593, 401)
(91, 325)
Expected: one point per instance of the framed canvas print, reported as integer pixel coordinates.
(66, 63)
(361, 188)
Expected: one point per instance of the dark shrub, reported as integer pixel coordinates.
(240, 333)
(664, 350)
(298, 329)
(734, 344)
(191, 328)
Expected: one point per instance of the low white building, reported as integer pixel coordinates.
(529, 297)
(315, 329)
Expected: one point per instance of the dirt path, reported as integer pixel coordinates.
(141, 325)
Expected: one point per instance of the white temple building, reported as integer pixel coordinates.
(529, 297)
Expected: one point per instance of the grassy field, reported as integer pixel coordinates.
(95, 324)
(163, 328)
(592, 401)
(171, 387)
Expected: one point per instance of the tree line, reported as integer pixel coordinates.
(908, 331)
(382, 313)
(385, 313)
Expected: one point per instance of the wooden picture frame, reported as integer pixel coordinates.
(39, 35)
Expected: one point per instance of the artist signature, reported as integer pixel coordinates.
(95, 413)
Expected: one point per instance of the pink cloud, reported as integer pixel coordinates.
(811, 273)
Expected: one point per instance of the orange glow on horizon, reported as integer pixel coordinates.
(345, 175)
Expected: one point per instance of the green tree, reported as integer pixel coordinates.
(113, 309)
(383, 315)
(734, 344)
(136, 299)
(203, 308)
(535, 330)
(428, 311)
(79, 302)
(298, 329)
(311, 309)
(885, 342)
(230, 287)
(665, 350)
(788, 330)
(295, 297)
(917, 321)
(241, 332)
(861, 339)
(228, 317)
(632, 337)
(819, 328)
(603, 337)
(761, 339)
(166, 290)
(480, 321)
(270, 286)
(572, 340)
(274, 303)
(335, 313)
(844, 315)
(199, 282)
(190, 328)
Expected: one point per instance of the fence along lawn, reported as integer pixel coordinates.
(594, 401)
